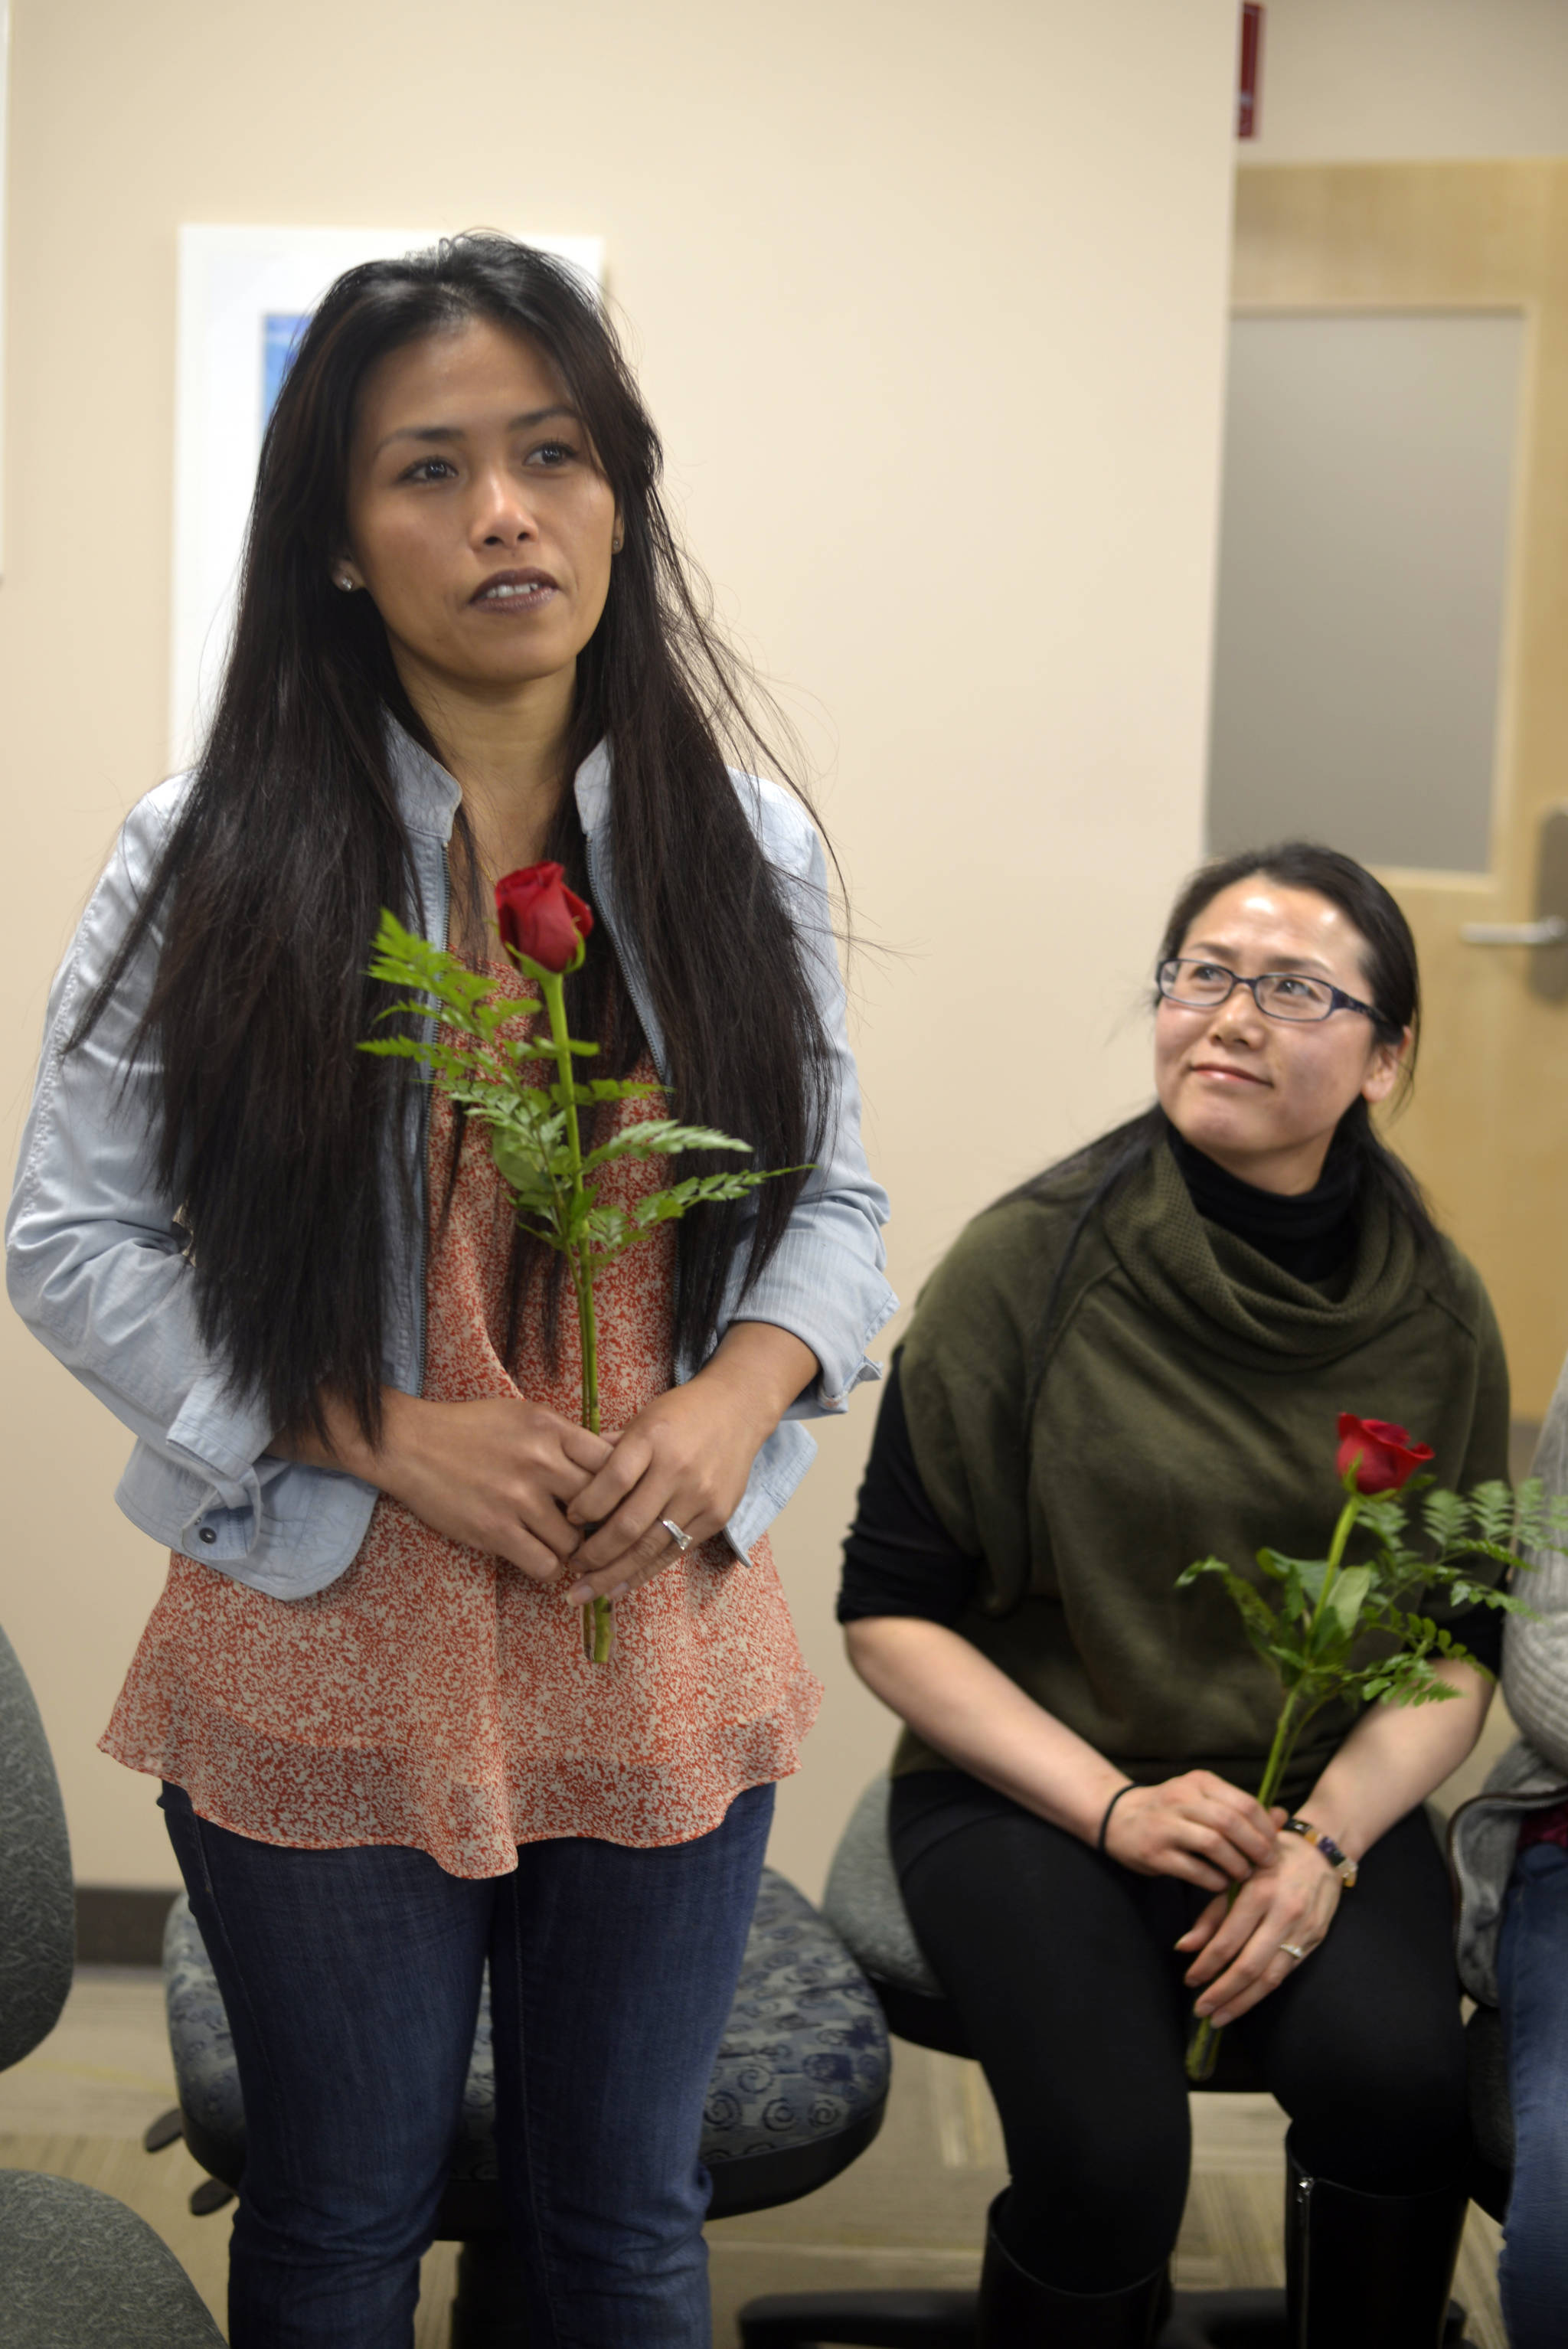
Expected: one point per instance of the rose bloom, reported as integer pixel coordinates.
(540, 917)
(1387, 1457)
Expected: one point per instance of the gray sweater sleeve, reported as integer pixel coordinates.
(1535, 1651)
(1483, 1832)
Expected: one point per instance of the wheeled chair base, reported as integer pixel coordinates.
(948, 2320)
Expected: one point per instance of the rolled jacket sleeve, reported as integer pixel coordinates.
(95, 1263)
(825, 1281)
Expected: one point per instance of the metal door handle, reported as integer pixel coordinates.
(1550, 931)
(1546, 937)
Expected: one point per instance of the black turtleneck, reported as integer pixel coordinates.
(1310, 1234)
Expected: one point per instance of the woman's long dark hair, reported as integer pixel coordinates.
(1106, 1165)
(273, 1125)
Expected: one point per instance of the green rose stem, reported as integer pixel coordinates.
(598, 1620)
(1203, 2047)
(535, 1141)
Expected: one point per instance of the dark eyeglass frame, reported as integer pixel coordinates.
(1338, 998)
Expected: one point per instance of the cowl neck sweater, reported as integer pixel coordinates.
(1227, 1294)
(1184, 1402)
(1309, 1233)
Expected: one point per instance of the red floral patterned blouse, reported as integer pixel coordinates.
(438, 1698)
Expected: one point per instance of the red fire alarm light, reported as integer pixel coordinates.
(1250, 72)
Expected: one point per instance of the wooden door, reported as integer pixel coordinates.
(1487, 1131)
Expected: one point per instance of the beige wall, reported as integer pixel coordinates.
(929, 304)
(1412, 80)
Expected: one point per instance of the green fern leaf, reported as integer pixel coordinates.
(1494, 1507)
(1446, 1517)
(1384, 1515)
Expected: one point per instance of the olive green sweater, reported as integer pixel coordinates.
(1186, 1404)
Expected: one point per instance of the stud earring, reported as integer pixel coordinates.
(618, 541)
(345, 584)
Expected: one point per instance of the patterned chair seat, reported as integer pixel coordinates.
(797, 2092)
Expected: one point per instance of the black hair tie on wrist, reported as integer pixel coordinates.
(1105, 1823)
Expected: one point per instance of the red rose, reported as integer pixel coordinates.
(1387, 1457)
(541, 917)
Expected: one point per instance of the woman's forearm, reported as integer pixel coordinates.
(959, 1702)
(763, 1368)
(1394, 1758)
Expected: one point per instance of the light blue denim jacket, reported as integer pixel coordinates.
(95, 1261)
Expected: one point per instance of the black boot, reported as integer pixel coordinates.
(1017, 2311)
(1367, 2270)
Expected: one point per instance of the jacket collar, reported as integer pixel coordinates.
(591, 785)
(428, 798)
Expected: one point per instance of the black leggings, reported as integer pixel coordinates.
(1063, 1967)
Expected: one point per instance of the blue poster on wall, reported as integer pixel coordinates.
(281, 332)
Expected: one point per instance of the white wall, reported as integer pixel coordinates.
(1411, 80)
(931, 308)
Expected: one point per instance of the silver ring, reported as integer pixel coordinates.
(683, 1541)
(1292, 1952)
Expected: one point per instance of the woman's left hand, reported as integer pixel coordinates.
(687, 1458)
(1241, 1956)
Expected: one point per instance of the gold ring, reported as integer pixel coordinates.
(1292, 1952)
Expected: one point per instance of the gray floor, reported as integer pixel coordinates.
(911, 2211)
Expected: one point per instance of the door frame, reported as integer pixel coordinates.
(1487, 1128)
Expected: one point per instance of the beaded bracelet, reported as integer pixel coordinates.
(1344, 1867)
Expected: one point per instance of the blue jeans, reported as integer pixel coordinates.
(1532, 1983)
(352, 1983)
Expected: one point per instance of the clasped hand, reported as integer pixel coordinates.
(1207, 1832)
(519, 1481)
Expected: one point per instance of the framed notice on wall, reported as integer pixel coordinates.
(246, 297)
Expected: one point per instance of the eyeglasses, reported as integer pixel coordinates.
(1278, 994)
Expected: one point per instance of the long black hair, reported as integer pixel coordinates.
(272, 1125)
(1106, 1165)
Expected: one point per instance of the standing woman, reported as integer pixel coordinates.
(465, 643)
(1137, 1360)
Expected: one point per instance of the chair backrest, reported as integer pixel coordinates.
(864, 1905)
(37, 1923)
(80, 2268)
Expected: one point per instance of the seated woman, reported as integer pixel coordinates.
(1134, 1361)
(1510, 1851)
